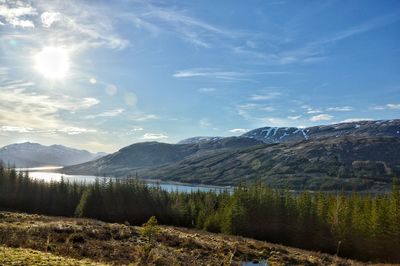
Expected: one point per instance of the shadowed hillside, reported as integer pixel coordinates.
(329, 164)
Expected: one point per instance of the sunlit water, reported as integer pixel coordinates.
(38, 174)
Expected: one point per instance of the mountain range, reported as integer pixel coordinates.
(353, 155)
(29, 154)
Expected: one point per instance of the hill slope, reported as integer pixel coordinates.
(356, 155)
(34, 155)
(389, 128)
(329, 164)
(141, 156)
(85, 241)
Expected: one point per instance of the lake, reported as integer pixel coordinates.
(39, 174)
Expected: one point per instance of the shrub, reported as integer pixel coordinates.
(150, 229)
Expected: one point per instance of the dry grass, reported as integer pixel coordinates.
(22, 256)
(119, 244)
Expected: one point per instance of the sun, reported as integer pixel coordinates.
(52, 62)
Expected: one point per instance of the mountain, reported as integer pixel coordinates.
(34, 155)
(141, 156)
(359, 128)
(347, 162)
(360, 155)
(195, 140)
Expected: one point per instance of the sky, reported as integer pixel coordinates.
(100, 75)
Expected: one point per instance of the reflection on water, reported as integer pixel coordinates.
(87, 179)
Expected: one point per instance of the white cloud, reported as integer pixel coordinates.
(393, 106)
(389, 106)
(134, 130)
(48, 18)
(154, 136)
(130, 99)
(204, 123)
(111, 89)
(350, 120)
(378, 107)
(265, 96)
(218, 74)
(294, 117)
(340, 109)
(207, 89)
(79, 26)
(311, 110)
(76, 130)
(20, 108)
(321, 117)
(110, 113)
(238, 130)
(188, 28)
(92, 80)
(16, 129)
(314, 111)
(137, 129)
(15, 13)
(267, 108)
(144, 117)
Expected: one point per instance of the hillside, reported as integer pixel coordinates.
(49, 240)
(35, 155)
(139, 156)
(360, 155)
(328, 164)
(389, 128)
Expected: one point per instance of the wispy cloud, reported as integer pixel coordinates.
(16, 129)
(311, 110)
(110, 113)
(77, 25)
(21, 108)
(393, 106)
(205, 123)
(389, 106)
(144, 117)
(265, 96)
(17, 13)
(222, 75)
(321, 117)
(312, 51)
(340, 109)
(294, 117)
(76, 130)
(350, 120)
(207, 90)
(238, 130)
(185, 26)
(154, 136)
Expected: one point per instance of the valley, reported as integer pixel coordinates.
(361, 155)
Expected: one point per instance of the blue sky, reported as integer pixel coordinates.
(101, 75)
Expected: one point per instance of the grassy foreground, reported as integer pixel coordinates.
(43, 240)
(23, 256)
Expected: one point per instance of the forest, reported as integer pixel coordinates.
(360, 226)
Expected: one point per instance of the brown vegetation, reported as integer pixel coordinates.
(120, 244)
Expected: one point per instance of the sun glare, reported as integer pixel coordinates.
(52, 62)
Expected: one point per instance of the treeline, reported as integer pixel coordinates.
(364, 227)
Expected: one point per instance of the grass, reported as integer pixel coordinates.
(36, 240)
(23, 256)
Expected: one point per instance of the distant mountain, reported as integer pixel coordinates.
(34, 155)
(360, 128)
(360, 155)
(195, 140)
(141, 156)
(347, 162)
